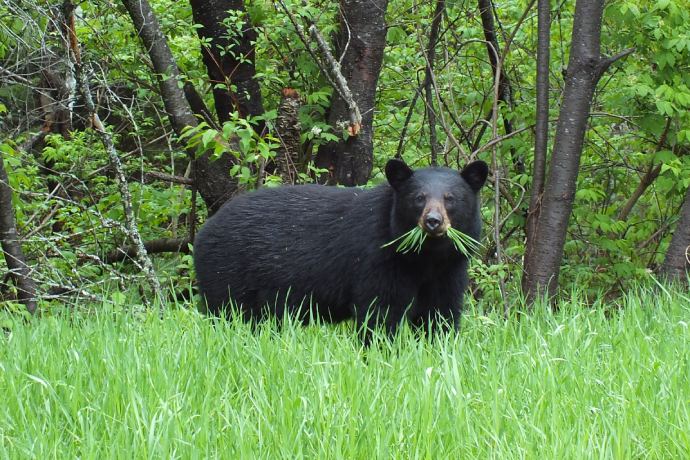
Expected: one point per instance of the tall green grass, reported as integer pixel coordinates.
(611, 381)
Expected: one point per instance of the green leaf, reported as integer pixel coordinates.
(208, 137)
(664, 156)
(662, 4)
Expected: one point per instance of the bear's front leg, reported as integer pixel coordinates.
(439, 304)
(385, 310)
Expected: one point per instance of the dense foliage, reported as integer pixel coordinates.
(69, 211)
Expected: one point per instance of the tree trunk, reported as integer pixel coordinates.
(676, 265)
(211, 178)
(362, 38)
(14, 257)
(585, 68)
(287, 130)
(541, 136)
(229, 58)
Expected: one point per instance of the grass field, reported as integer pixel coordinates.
(611, 381)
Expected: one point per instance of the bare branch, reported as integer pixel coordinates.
(650, 175)
(605, 63)
(180, 245)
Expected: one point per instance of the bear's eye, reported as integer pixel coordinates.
(420, 198)
(449, 198)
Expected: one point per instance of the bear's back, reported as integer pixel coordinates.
(307, 238)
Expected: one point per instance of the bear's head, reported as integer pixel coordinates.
(437, 198)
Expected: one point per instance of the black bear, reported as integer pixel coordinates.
(312, 249)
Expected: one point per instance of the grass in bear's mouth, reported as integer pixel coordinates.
(414, 239)
(464, 243)
(409, 241)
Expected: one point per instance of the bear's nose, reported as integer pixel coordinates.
(433, 221)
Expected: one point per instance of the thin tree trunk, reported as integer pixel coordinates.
(229, 58)
(676, 265)
(487, 15)
(504, 90)
(14, 256)
(585, 68)
(214, 183)
(541, 137)
(362, 38)
(428, 79)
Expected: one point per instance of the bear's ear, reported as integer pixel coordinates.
(397, 172)
(475, 174)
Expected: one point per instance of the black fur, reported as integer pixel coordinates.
(311, 245)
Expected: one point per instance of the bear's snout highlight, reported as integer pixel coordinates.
(434, 220)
